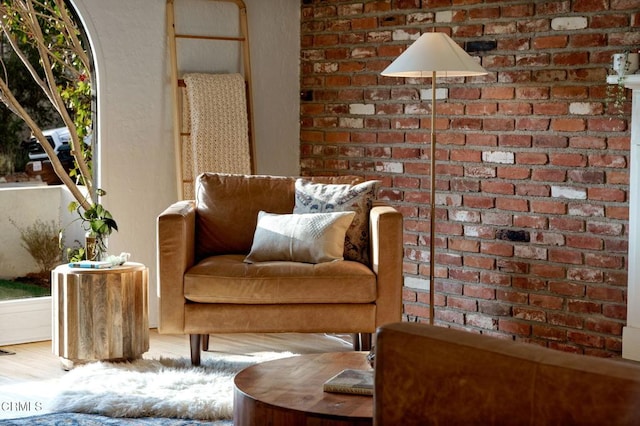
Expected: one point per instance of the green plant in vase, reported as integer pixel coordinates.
(98, 224)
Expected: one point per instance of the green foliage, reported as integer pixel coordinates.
(42, 241)
(6, 164)
(77, 96)
(96, 219)
(76, 254)
(617, 93)
(13, 131)
(11, 290)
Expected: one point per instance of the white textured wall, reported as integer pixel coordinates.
(135, 134)
(24, 206)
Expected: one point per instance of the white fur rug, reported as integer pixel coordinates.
(155, 388)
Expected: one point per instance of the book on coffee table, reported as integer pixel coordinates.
(352, 381)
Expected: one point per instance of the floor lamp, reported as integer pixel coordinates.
(433, 55)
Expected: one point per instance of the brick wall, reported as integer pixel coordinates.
(533, 161)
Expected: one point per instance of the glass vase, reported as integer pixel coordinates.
(96, 246)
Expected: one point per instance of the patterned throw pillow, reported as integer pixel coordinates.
(316, 198)
(309, 238)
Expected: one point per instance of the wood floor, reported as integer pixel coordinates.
(29, 378)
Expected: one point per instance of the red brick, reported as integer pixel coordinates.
(566, 320)
(537, 222)
(615, 311)
(514, 327)
(586, 339)
(518, 11)
(551, 108)
(364, 23)
(464, 303)
(584, 242)
(529, 283)
(588, 40)
(605, 294)
(467, 31)
(479, 292)
(534, 93)
(606, 194)
(407, 4)
(497, 93)
(340, 137)
(549, 175)
(537, 158)
(515, 141)
(550, 141)
(565, 256)
(567, 288)
(529, 314)
(584, 306)
(570, 59)
(499, 249)
(549, 333)
(609, 21)
(607, 125)
(568, 160)
(546, 301)
(548, 271)
(569, 92)
(586, 176)
(590, 6)
(550, 42)
(497, 187)
(587, 142)
(616, 161)
(514, 173)
(532, 124)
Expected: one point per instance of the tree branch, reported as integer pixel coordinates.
(8, 99)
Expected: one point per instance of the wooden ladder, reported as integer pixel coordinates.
(178, 84)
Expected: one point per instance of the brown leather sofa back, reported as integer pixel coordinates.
(227, 208)
(428, 375)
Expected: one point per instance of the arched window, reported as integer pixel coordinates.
(26, 319)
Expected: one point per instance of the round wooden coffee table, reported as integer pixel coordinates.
(289, 391)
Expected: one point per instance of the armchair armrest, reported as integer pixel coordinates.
(386, 261)
(176, 254)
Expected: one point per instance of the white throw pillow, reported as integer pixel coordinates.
(309, 238)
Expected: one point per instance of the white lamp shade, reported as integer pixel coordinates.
(434, 52)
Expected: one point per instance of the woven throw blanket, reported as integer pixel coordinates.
(218, 122)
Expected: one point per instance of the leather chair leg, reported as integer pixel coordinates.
(195, 349)
(205, 342)
(356, 341)
(365, 341)
(362, 341)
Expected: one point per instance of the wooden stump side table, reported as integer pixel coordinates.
(100, 314)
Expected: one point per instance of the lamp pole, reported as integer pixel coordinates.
(432, 204)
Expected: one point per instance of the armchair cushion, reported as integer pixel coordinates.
(313, 197)
(228, 279)
(310, 238)
(227, 209)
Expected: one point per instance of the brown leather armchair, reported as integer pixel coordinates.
(427, 375)
(205, 287)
